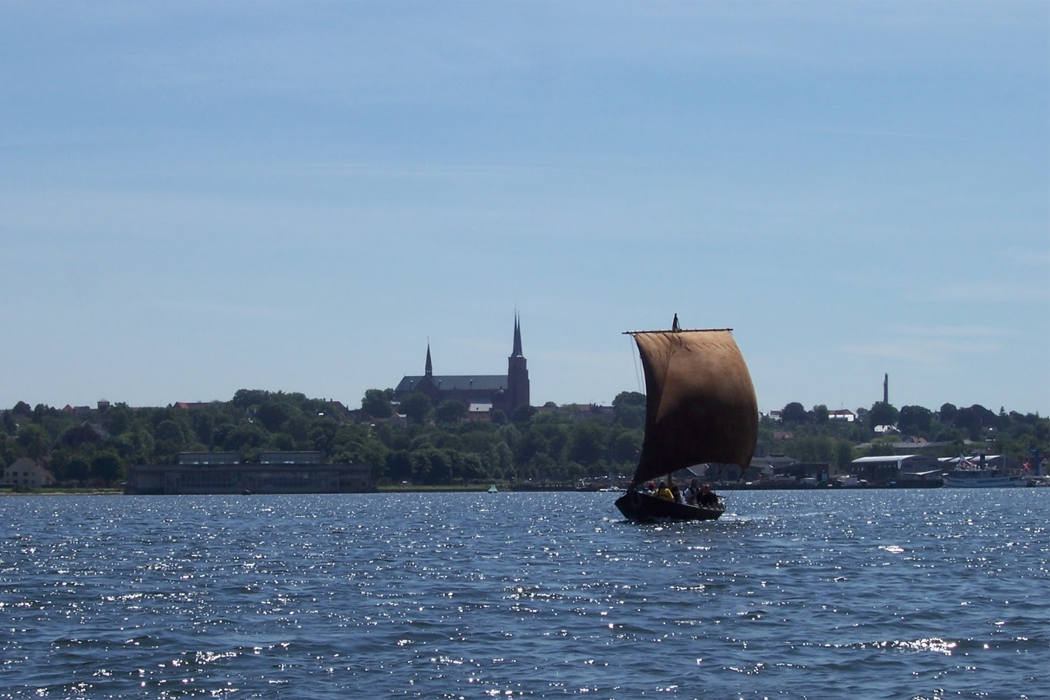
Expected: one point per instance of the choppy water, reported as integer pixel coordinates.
(868, 594)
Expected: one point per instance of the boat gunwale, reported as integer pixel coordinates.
(643, 509)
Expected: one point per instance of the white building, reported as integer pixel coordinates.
(26, 472)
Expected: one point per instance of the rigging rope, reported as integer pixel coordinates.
(725, 499)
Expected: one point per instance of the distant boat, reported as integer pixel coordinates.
(493, 489)
(700, 407)
(970, 475)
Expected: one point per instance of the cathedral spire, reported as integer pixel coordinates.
(517, 337)
(429, 371)
(517, 394)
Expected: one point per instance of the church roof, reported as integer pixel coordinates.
(455, 382)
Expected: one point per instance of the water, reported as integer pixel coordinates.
(792, 594)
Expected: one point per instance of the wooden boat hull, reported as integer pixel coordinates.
(644, 508)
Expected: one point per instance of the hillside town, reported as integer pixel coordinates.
(472, 431)
(261, 447)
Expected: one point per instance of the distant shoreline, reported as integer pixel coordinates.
(456, 489)
(65, 492)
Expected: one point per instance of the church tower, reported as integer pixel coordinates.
(517, 373)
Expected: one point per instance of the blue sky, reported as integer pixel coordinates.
(201, 197)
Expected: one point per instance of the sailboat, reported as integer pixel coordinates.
(700, 408)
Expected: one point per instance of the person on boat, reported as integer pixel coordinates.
(665, 491)
(675, 491)
(692, 494)
(707, 498)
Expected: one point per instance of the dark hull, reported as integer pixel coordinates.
(644, 508)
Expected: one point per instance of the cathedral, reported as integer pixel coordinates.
(480, 392)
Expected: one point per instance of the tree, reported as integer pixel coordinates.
(533, 442)
(34, 441)
(843, 453)
(501, 458)
(169, 431)
(9, 424)
(451, 411)
(882, 413)
(417, 407)
(78, 469)
(119, 419)
(243, 437)
(820, 414)
(298, 426)
(629, 398)
(80, 435)
(282, 442)
(321, 437)
(431, 466)
(587, 443)
(273, 414)
(523, 415)
(811, 448)
(376, 403)
(915, 420)
(625, 447)
(974, 419)
(349, 442)
(107, 466)
(629, 409)
(470, 467)
(794, 412)
(9, 450)
(203, 423)
(246, 398)
(399, 465)
(135, 447)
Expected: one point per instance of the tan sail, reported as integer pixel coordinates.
(700, 402)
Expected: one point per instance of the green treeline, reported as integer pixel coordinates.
(441, 445)
(811, 435)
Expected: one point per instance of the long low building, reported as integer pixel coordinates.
(917, 470)
(225, 473)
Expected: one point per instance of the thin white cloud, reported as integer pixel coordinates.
(227, 311)
(933, 345)
(977, 290)
(971, 332)
(1027, 258)
(894, 135)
